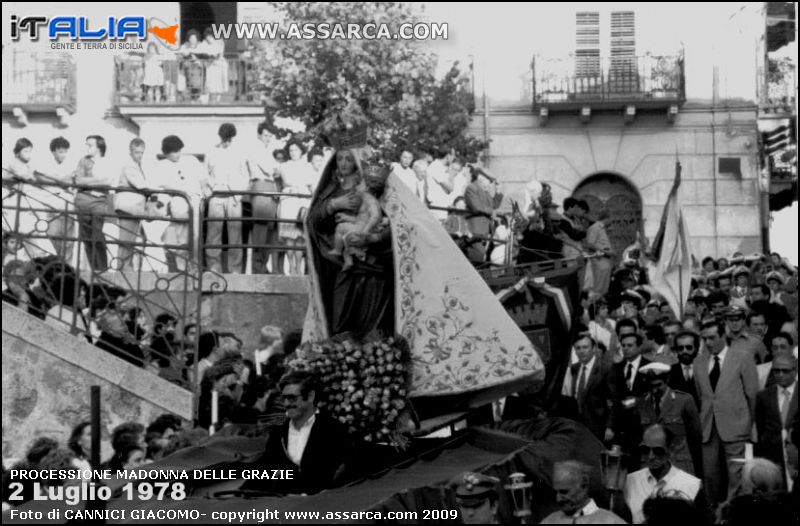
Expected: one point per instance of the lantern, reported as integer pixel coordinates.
(521, 494)
(613, 470)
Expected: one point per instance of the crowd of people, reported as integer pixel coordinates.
(196, 72)
(691, 396)
(151, 197)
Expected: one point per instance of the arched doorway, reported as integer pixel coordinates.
(611, 193)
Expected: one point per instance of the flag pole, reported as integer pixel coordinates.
(680, 219)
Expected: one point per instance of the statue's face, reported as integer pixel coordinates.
(345, 162)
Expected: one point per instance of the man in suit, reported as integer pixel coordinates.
(628, 385)
(317, 448)
(727, 383)
(681, 376)
(591, 388)
(776, 410)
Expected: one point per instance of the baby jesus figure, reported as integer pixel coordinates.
(366, 221)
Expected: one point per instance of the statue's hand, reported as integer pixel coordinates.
(349, 202)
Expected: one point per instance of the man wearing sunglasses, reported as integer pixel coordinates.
(681, 377)
(776, 410)
(659, 478)
(727, 383)
(316, 448)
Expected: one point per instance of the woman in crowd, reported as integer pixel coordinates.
(80, 443)
(123, 334)
(602, 328)
(217, 67)
(298, 178)
(192, 77)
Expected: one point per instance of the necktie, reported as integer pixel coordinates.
(687, 372)
(713, 376)
(581, 382)
(784, 405)
(657, 404)
(659, 489)
(629, 375)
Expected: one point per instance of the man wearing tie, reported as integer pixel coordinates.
(629, 384)
(727, 384)
(591, 388)
(681, 377)
(776, 410)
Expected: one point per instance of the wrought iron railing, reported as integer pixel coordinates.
(38, 78)
(175, 79)
(608, 79)
(132, 294)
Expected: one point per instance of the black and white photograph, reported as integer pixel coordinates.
(399, 263)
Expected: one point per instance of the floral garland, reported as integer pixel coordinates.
(364, 385)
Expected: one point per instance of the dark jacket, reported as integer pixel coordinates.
(769, 426)
(328, 453)
(480, 206)
(594, 404)
(679, 383)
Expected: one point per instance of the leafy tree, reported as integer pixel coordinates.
(327, 83)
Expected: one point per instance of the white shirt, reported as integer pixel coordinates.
(722, 354)
(641, 485)
(406, 175)
(587, 510)
(460, 184)
(298, 439)
(262, 164)
(227, 170)
(438, 172)
(186, 175)
(687, 372)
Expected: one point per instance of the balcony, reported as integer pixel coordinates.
(778, 98)
(652, 82)
(178, 81)
(38, 82)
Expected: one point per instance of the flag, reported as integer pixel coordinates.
(671, 265)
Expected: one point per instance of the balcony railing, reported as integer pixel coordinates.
(182, 80)
(647, 81)
(779, 97)
(38, 79)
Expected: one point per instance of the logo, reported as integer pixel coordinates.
(77, 29)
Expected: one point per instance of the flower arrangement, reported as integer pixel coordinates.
(364, 385)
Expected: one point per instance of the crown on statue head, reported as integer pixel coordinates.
(349, 137)
(347, 128)
(375, 170)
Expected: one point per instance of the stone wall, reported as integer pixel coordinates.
(47, 375)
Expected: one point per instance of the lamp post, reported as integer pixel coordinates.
(520, 489)
(614, 471)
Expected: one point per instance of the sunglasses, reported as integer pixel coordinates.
(782, 371)
(685, 347)
(657, 451)
(290, 398)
